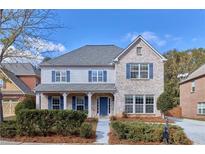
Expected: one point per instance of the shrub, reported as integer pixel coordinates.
(8, 129)
(46, 122)
(139, 131)
(165, 102)
(27, 103)
(86, 130)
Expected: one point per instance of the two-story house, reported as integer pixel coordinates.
(104, 80)
(192, 94)
(17, 80)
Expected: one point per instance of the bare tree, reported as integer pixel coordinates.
(19, 30)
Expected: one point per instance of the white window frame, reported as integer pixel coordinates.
(63, 74)
(56, 97)
(193, 86)
(97, 71)
(201, 106)
(76, 103)
(139, 70)
(144, 103)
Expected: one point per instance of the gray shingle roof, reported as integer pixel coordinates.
(197, 73)
(21, 68)
(18, 82)
(75, 87)
(92, 55)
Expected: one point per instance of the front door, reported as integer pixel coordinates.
(103, 106)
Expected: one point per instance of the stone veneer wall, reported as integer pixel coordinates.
(125, 86)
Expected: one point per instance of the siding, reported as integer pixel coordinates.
(77, 74)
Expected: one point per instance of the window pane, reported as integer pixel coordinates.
(56, 103)
(129, 104)
(94, 76)
(149, 104)
(201, 108)
(63, 76)
(134, 70)
(57, 76)
(80, 104)
(100, 76)
(144, 71)
(139, 108)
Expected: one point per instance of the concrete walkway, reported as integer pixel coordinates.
(102, 131)
(194, 129)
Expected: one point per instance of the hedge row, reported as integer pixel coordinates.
(46, 122)
(139, 131)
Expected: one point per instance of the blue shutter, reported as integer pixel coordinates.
(49, 102)
(68, 76)
(90, 76)
(105, 76)
(61, 102)
(53, 76)
(128, 71)
(86, 103)
(151, 70)
(73, 103)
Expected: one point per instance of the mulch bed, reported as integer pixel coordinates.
(113, 139)
(145, 119)
(52, 139)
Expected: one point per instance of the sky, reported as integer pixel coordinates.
(163, 29)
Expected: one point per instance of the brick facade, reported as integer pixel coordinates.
(189, 100)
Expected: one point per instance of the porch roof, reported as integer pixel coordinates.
(75, 88)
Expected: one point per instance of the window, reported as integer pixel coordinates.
(100, 76)
(193, 86)
(1, 83)
(60, 76)
(129, 104)
(134, 71)
(56, 102)
(139, 104)
(201, 108)
(144, 71)
(149, 104)
(80, 104)
(97, 76)
(139, 71)
(139, 51)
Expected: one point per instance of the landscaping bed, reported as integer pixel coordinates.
(50, 126)
(145, 133)
(142, 119)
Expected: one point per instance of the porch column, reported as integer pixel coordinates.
(38, 105)
(114, 104)
(89, 104)
(65, 101)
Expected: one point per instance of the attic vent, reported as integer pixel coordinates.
(139, 51)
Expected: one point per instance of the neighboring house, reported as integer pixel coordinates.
(104, 80)
(192, 94)
(17, 80)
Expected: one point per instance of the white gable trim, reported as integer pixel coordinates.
(12, 81)
(140, 37)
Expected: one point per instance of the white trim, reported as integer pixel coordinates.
(52, 102)
(140, 37)
(77, 102)
(97, 70)
(13, 82)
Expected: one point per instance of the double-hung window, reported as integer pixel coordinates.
(97, 76)
(80, 104)
(139, 71)
(129, 104)
(201, 108)
(193, 86)
(139, 104)
(56, 102)
(60, 76)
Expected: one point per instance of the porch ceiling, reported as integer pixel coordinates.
(76, 88)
